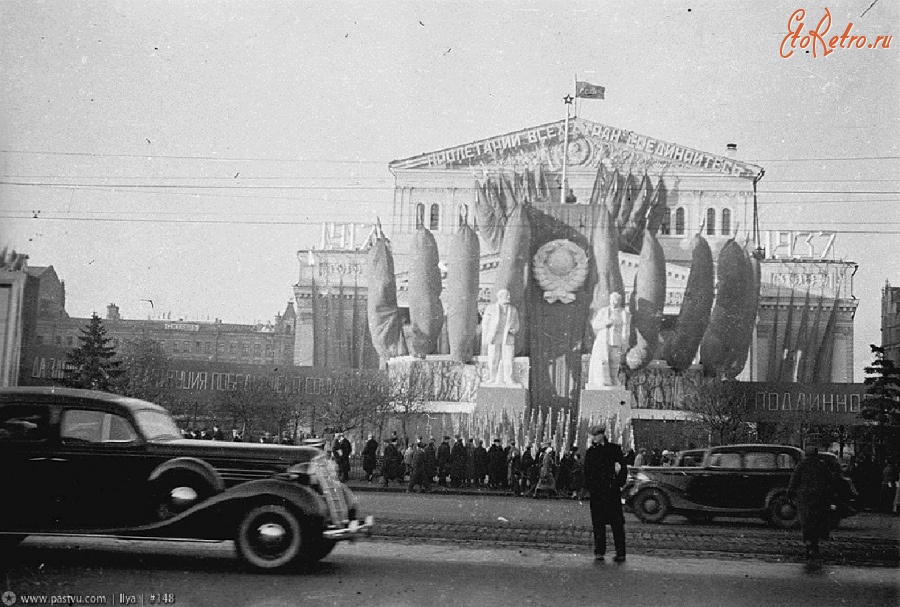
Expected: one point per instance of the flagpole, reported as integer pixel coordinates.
(565, 154)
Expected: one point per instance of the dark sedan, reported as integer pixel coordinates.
(735, 480)
(77, 461)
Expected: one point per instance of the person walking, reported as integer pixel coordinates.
(605, 472)
(370, 457)
(430, 460)
(513, 470)
(481, 463)
(443, 461)
(547, 479)
(813, 486)
(457, 463)
(417, 475)
(495, 462)
(344, 461)
(391, 463)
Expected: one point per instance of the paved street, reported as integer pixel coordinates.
(398, 574)
(865, 539)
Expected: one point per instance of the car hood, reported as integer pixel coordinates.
(185, 447)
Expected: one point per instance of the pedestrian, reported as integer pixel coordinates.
(443, 461)
(407, 459)
(513, 468)
(470, 461)
(481, 463)
(346, 450)
(236, 436)
(630, 456)
(814, 486)
(457, 463)
(641, 458)
(576, 479)
(495, 462)
(430, 460)
(547, 479)
(370, 457)
(417, 474)
(217, 433)
(605, 472)
(391, 462)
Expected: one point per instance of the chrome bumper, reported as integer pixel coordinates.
(352, 531)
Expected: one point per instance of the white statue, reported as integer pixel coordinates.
(499, 328)
(612, 327)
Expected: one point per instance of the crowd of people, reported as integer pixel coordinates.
(466, 462)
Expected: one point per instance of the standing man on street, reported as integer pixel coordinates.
(814, 486)
(605, 473)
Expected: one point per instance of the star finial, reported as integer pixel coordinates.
(568, 99)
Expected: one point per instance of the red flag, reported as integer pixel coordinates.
(586, 90)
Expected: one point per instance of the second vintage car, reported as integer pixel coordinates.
(748, 480)
(84, 462)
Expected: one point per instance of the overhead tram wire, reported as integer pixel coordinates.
(175, 186)
(360, 161)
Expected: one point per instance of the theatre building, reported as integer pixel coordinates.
(805, 321)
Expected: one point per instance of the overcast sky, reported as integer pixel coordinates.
(260, 120)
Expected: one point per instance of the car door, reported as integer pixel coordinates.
(104, 463)
(27, 465)
(712, 484)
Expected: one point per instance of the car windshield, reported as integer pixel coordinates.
(157, 425)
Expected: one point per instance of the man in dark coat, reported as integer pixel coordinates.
(391, 463)
(443, 461)
(346, 450)
(481, 463)
(814, 486)
(370, 457)
(430, 460)
(458, 458)
(605, 473)
(496, 463)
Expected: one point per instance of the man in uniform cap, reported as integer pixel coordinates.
(604, 482)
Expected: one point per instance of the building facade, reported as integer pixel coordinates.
(56, 333)
(890, 322)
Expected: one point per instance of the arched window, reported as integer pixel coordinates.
(679, 221)
(726, 221)
(710, 222)
(420, 216)
(434, 219)
(665, 227)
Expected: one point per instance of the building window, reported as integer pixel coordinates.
(710, 222)
(257, 350)
(197, 347)
(679, 221)
(665, 227)
(419, 219)
(69, 340)
(726, 222)
(208, 347)
(435, 218)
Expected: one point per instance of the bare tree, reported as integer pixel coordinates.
(355, 398)
(145, 366)
(412, 386)
(720, 408)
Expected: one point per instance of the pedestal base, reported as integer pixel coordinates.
(496, 399)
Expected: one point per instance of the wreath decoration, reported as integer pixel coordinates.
(560, 268)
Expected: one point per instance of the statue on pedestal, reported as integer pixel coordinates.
(612, 327)
(500, 325)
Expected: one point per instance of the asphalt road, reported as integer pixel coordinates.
(411, 573)
(493, 520)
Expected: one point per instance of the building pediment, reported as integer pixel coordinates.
(590, 143)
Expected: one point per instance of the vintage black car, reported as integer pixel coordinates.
(734, 480)
(78, 461)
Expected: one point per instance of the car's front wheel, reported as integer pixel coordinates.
(783, 512)
(651, 505)
(269, 537)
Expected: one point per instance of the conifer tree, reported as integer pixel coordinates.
(93, 364)
(882, 403)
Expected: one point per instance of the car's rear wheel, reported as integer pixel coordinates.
(652, 506)
(269, 537)
(177, 491)
(783, 512)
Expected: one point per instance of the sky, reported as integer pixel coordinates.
(181, 153)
